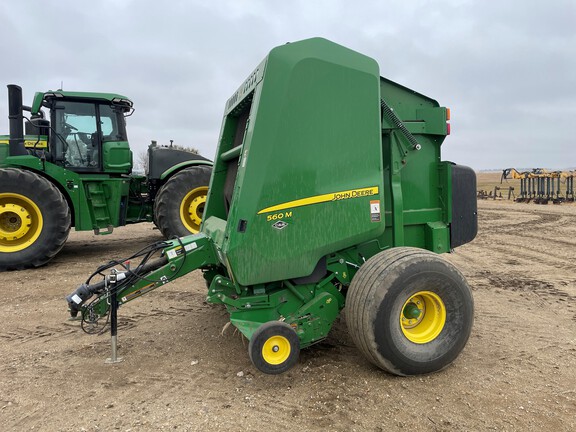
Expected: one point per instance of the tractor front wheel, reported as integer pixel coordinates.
(274, 347)
(179, 205)
(409, 311)
(34, 220)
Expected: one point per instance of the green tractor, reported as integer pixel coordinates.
(328, 193)
(73, 168)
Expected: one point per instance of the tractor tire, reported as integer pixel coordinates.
(34, 220)
(409, 311)
(274, 347)
(179, 205)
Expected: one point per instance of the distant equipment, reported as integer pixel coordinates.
(74, 169)
(542, 186)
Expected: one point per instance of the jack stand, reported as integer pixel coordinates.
(113, 322)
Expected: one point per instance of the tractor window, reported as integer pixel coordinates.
(81, 128)
(112, 124)
(77, 140)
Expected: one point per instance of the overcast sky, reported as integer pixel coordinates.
(507, 69)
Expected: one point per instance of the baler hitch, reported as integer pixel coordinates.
(177, 258)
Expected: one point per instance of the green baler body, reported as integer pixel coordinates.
(308, 166)
(321, 164)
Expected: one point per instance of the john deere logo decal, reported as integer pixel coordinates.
(317, 199)
(280, 225)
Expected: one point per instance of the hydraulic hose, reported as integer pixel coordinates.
(84, 292)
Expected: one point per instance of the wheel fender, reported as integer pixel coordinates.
(182, 165)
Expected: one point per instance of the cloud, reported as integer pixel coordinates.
(505, 69)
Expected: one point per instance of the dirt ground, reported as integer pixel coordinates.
(180, 372)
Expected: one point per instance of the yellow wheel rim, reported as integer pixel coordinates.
(192, 208)
(423, 317)
(276, 350)
(20, 222)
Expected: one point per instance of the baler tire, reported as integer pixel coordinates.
(35, 220)
(180, 202)
(274, 348)
(409, 311)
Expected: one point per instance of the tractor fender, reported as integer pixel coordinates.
(182, 165)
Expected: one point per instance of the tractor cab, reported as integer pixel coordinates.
(86, 131)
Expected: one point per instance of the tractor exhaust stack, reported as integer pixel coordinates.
(16, 120)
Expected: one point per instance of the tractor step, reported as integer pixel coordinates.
(98, 208)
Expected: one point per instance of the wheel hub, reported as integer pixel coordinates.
(15, 221)
(192, 208)
(276, 350)
(412, 311)
(196, 209)
(423, 317)
(21, 222)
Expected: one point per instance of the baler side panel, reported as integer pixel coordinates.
(311, 164)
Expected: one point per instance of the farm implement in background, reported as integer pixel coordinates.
(496, 194)
(541, 186)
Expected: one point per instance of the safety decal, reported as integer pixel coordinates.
(375, 211)
(173, 253)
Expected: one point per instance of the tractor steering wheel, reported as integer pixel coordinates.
(69, 126)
